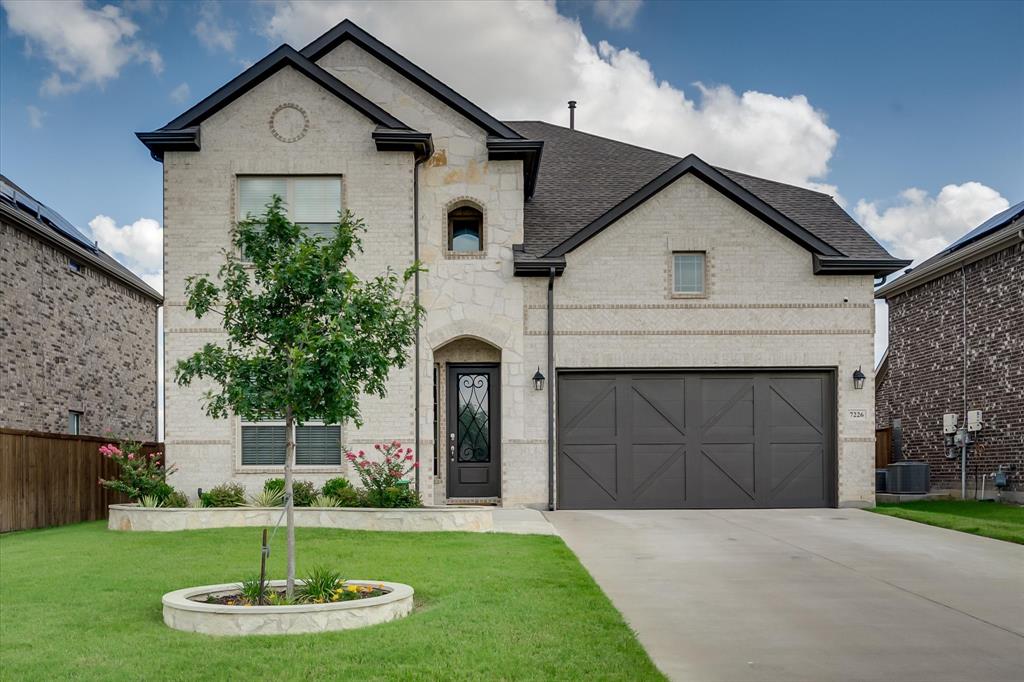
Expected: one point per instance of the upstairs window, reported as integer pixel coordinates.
(465, 230)
(688, 273)
(313, 202)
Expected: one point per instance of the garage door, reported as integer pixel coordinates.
(695, 440)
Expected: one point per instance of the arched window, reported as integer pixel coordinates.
(465, 230)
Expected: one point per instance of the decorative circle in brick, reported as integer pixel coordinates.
(289, 122)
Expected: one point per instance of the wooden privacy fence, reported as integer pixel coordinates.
(883, 447)
(50, 479)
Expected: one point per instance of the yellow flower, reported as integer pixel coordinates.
(351, 588)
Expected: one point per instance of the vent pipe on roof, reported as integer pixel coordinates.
(572, 114)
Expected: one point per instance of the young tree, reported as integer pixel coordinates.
(306, 337)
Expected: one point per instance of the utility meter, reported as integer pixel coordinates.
(949, 423)
(974, 420)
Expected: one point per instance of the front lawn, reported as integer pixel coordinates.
(84, 602)
(991, 519)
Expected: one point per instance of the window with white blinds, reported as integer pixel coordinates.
(688, 273)
(263, 444)
(311, 201)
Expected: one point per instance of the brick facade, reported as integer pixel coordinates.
(925, 377)
(72, 341)
(764, 308)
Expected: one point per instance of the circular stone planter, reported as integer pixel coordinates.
(425, 519)
(182, 613)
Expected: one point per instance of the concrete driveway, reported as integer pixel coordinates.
(817, 595)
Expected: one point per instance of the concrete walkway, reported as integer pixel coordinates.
(816, 595)
(522, 522)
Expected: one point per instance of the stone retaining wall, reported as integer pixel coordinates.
(424, 519)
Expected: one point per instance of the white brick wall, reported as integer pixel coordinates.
(764, 306)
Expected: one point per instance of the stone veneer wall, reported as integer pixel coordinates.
(926, 367)
(71, 341)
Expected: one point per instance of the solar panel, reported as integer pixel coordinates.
(43, 213)
(990, 225)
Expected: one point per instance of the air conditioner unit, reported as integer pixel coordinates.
(907, 478)
(881, 480)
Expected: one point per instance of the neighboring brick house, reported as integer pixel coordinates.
(956, 343)
(686, 335)
(78, 336)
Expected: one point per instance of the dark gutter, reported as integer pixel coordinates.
(160, 141)
(347, 30)
(525, 266)
(420, 144)
(879, 267)
(529, 151)
(551, 389)
(718, 180)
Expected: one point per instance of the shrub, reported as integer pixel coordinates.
(140, 474)
(335, 486)
(224, 495)
(305, 491)
(352, 497)
(273, 497)
(150, 501)
(326, 501)
(384, 481)
(176, 499)
(321, 586)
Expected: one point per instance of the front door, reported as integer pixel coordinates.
(473, 441)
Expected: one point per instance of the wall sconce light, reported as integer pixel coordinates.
(538, 381)
(858, 379)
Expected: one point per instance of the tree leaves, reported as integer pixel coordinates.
(303, 330)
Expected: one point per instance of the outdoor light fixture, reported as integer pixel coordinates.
(538, 380)
(858, 379)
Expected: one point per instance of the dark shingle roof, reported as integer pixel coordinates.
(582, 176)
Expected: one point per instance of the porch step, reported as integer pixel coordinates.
(494, 501)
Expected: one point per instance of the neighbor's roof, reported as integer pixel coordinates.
(976, 244)
(583, 177)
(19, 206)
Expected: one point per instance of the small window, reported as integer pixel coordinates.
(688, 273)
(313, 202)
(74, 422)
(263, 444)
(74, 266)
(465, 230)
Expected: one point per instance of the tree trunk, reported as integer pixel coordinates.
(289, 462)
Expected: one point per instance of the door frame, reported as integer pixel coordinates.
(831, 472)
(494, 421)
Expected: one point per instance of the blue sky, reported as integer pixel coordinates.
(912, 114)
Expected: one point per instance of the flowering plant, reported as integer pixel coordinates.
(142, 475)
(384, 481)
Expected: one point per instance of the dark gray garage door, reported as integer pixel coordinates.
(695, 440)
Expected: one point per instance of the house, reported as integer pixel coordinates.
(956, 343)
(686, 335)
(78, 330)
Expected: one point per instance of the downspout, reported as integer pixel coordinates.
(963, 456)
(551, 390)
(416, 295)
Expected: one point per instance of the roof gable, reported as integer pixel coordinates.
(349, 31)
(183, 133)
(587, 182)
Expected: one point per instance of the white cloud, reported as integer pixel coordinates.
(537, 59)
(35, 116)
(212, 29)
(181, 93)
(617, 13)
(139, 246)
(918, 226)
(85, 46)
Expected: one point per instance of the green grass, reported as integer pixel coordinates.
(83, 602)
(991, 519)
